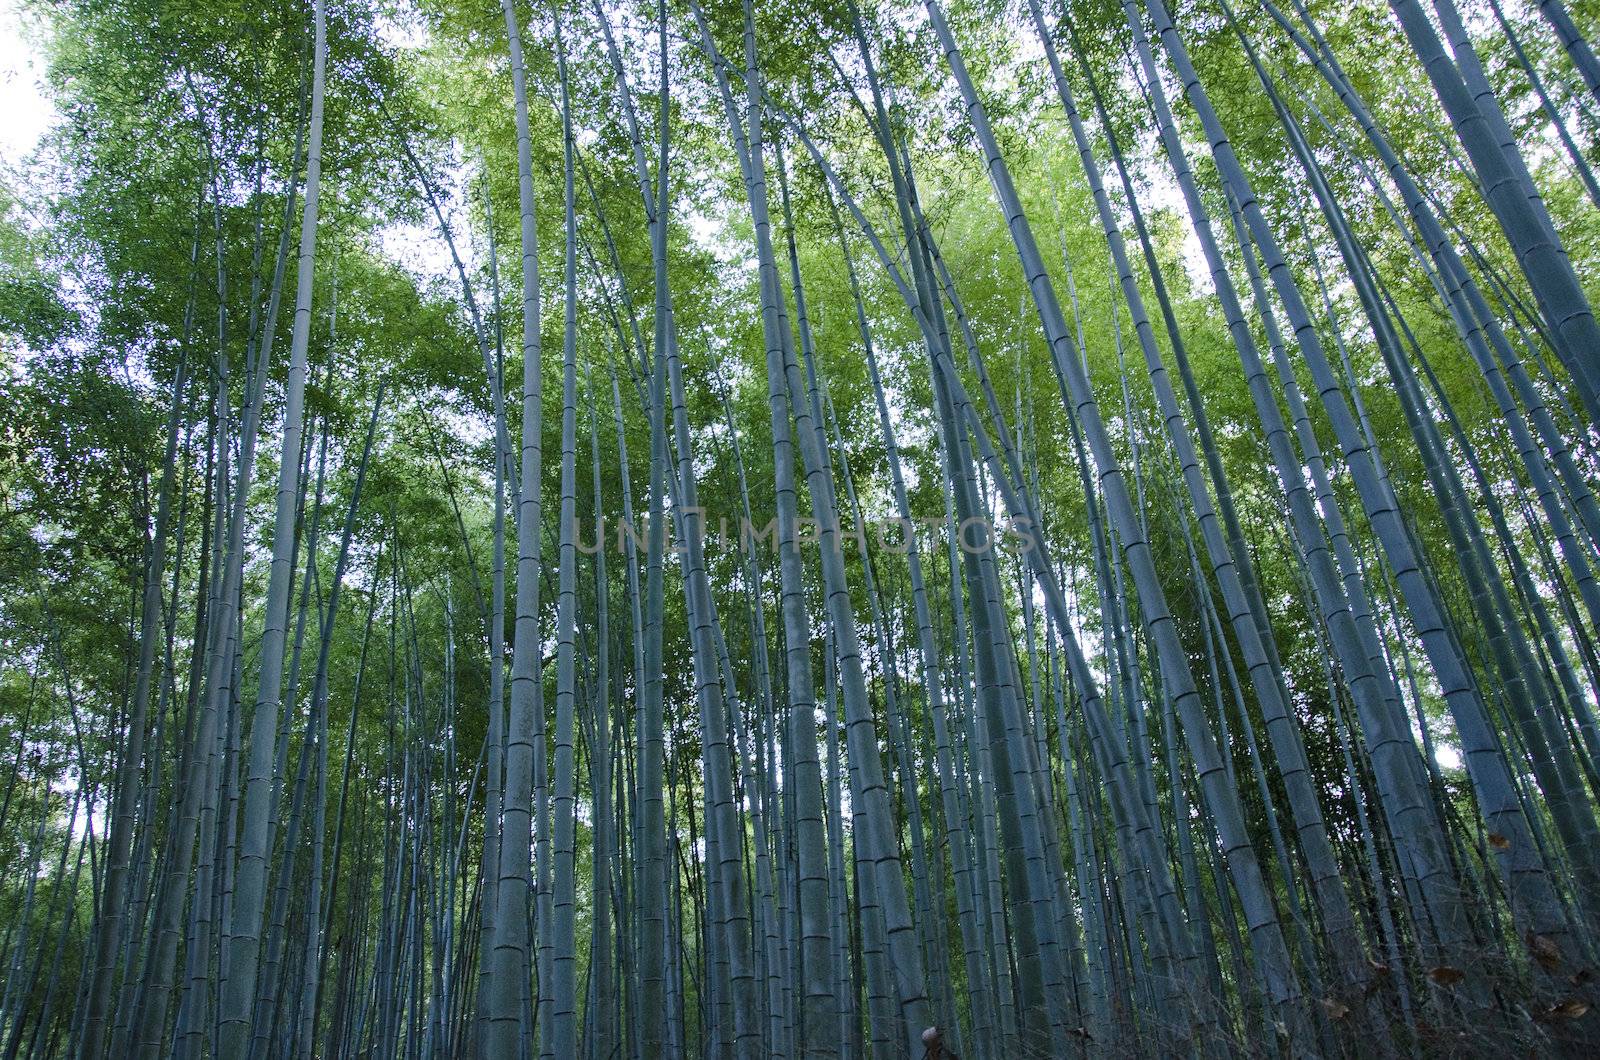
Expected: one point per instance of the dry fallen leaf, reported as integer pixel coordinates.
(1498, 841)
(1445, 975)
(1545, 951)
(1570, 1009)
(1337, 1010)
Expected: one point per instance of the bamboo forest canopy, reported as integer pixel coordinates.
(799, 529)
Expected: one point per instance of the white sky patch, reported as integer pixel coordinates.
(403, 30)
(704, 231)
(1163, 193)
(420, 250)
(29, 112)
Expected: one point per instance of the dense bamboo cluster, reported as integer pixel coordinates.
(1165, 624)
